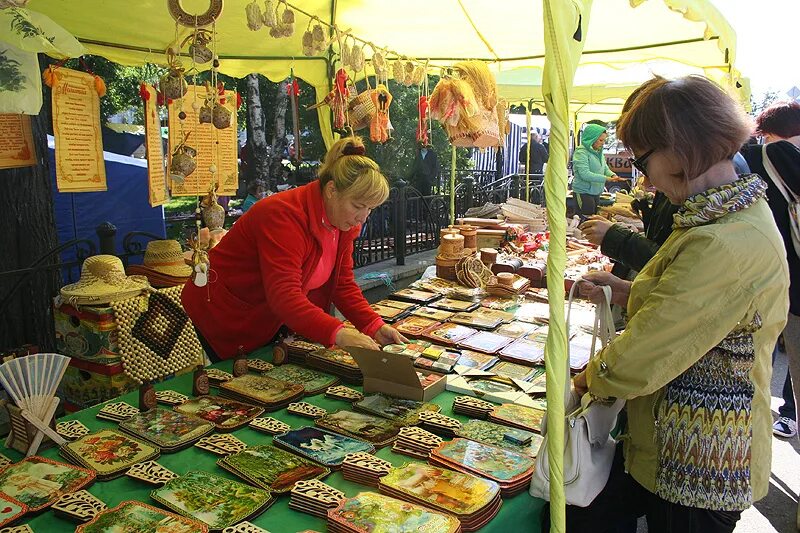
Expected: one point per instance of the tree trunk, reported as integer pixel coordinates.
(29, 232)
(258, 152)
(279, 133)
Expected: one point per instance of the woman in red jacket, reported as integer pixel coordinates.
(289, 258)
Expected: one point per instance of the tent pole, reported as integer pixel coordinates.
(565, 25)
(528, 153)
(452, 185)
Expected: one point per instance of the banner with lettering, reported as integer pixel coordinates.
(16, 141)
(76, 126)
(216, 149)
(157, 177)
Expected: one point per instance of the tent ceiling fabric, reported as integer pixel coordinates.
(448, 31)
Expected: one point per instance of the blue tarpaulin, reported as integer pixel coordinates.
(125, 204)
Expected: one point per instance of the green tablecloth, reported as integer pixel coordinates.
(519, 514)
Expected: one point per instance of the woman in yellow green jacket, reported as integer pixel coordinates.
(694, 362)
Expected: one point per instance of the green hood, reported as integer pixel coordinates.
(590, 134)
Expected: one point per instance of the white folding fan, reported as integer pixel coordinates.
(32, 382)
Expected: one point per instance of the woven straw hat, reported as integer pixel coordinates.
(103, 280)
(164, 257)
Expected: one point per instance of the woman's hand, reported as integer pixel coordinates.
(595, 229)
(351, 338)
(579, 383)
(589, 288)
(388, 335)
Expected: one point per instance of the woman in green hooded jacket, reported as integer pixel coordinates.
(590, 169)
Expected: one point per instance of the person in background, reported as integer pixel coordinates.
(288, 259)
(425, 170)
(779, 124)
(693, 363)
(590, 170)
(539, 154)
(255, 192)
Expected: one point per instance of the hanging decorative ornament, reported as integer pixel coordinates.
(184, 18)
(379, 62)
(418, 76)
(288, 15)
(345, 51)
(213, 213)
(172, 84)
(320, 42)
(270, 14)
(357, 57)
(308, 43)
(198, 49)
(200, 262)
(221, 116)
(337, 99)
(293, 90)
(398, 71)
(422, 120)
(408, 73)
(255, 19)
(379, 127)
(183, 161)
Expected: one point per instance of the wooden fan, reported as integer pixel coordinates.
(32, 382)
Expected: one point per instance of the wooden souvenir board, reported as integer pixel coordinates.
(156, 173)
(214, 146)
(80, 166)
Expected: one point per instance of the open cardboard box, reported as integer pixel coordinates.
(394, 375)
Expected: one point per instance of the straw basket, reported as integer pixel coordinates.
(446, 267)
(485, 135)
(361, 110)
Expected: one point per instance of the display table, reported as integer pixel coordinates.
(519, 514)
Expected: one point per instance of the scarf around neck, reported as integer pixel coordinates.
(707, 206)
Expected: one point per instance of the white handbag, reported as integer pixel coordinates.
(589, 447)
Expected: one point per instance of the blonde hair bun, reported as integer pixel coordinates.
(353, 173)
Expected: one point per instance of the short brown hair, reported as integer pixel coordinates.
(781, 119)
(692, 116)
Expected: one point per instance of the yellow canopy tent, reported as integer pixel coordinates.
(599, 91)
(550, 34)
(443, 31)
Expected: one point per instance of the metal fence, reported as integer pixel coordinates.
(409, 223)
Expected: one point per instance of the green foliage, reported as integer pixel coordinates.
(122, 84)
(397, 156)
(764, 101)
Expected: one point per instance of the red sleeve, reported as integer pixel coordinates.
(349, 299)
(281, 249)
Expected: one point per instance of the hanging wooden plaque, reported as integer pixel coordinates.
(156, 176)
(218, 147)
(76, 126)
(16, 141)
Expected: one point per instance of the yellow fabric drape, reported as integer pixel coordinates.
(565, 25)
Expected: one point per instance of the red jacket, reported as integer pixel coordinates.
(259, 272)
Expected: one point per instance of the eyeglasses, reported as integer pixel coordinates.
(640, 163)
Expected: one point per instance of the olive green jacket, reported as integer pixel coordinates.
(695, 363)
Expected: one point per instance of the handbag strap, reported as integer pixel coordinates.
(775, 177)
(603, 327)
